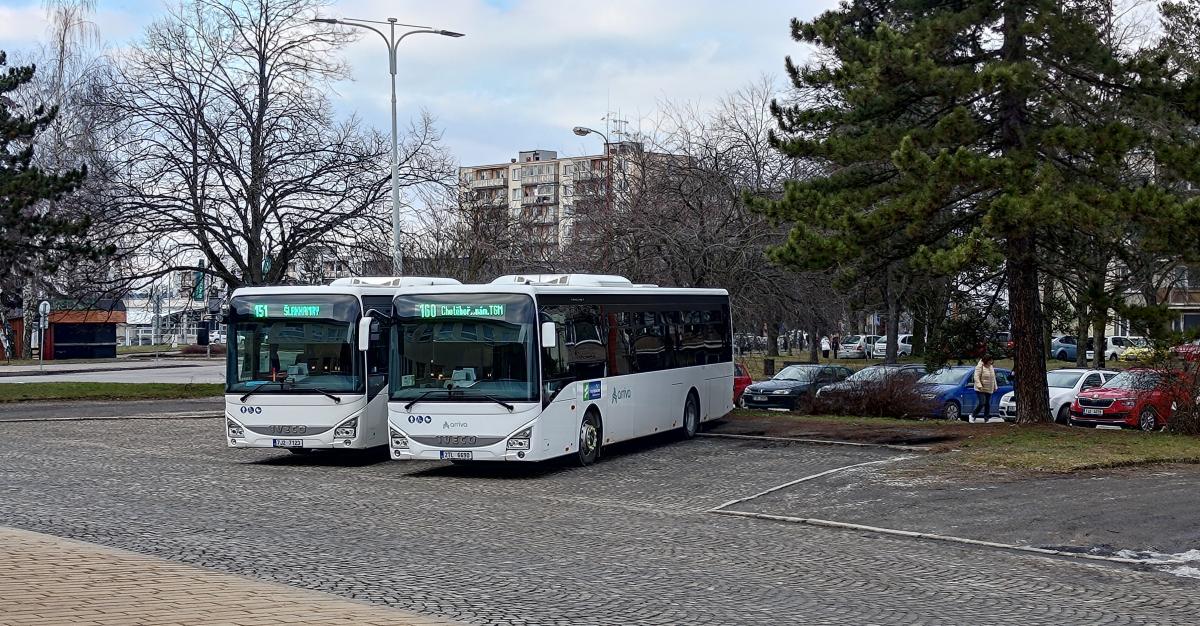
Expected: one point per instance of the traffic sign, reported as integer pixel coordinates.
(44, 308)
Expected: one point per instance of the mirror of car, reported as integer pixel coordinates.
(549, 335)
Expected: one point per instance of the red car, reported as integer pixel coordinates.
(741, 380)
(1189, 351)
(1138, 398)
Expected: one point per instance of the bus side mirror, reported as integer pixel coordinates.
(549, 335)
(364, 333)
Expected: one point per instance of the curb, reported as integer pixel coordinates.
(195, 415)
(98, 370)
(828, 442)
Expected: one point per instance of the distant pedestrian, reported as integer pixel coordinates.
(825, 347)
(837, 344)
(985, 386)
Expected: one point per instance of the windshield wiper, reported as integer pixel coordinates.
(260, 386)
(326, 394)
(423, 396)
(496, 400)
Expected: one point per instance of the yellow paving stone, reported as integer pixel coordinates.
(49, 580)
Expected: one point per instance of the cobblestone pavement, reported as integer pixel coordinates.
(627, 541)
(49, 580)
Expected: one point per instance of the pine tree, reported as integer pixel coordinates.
(26, 235)
(959, 133)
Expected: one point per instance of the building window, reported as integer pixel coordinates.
(516, 173)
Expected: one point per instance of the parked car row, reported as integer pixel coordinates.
(1117, 347)
(1137, 398)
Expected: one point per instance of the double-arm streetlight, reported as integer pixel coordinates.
(392, 42)
(584, 131)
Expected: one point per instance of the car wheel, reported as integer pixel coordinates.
(1148, 420)
(691, 416)
(1062, 355)
(1064, 415)
(952, 411)
(1113, 357)
(589, 439)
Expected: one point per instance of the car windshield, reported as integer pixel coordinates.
(802, 374)
(1065, 380)
(851, 340)
(456, 347)
(1137, 381)
(1139, 342)
(303, 343)
(944, 377)
(870, 374)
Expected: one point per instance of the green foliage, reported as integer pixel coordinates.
(958, 135)
(26, 233)
(968, 335)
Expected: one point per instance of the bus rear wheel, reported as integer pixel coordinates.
(691, 416)
(589, 439)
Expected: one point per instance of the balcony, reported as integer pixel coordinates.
(484, 183)
(537, 200)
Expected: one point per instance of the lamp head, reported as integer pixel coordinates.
(581, 131)
(450, 33)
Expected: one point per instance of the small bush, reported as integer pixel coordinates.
(893, 397)
(217, 348)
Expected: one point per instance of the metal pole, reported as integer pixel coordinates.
(397, 253)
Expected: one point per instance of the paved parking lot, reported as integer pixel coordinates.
(627, 541)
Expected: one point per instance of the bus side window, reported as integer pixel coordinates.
(377, 357)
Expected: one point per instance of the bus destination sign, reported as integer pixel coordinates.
(460, 310)
(287, 310)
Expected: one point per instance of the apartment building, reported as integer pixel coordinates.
(541, 191)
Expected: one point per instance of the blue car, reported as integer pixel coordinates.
(951, 391)
(1064, 348)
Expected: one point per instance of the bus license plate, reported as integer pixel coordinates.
(1093, 411)
(457, 455)
(287, 443)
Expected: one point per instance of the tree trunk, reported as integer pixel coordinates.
(773, 338)
(1047, 332)
(1099, 340)
(918, 336)
(892, 326)
(28, 317)
(1081, 336)
(814, 345)
(1033, 402)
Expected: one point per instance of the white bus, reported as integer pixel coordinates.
(307, 366)
(529, 368)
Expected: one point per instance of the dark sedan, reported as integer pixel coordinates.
(880, 377)
(792, 384)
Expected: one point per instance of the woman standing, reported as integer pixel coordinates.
(985, 386)
(825, 347)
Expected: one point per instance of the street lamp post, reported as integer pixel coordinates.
(392, 42)
(584, 131)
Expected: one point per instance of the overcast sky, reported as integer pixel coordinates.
(528, 70)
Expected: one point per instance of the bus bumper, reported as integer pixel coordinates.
(327, 440)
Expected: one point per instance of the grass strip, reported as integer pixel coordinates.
(30, 392)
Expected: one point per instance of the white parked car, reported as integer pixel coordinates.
(1117, 345)
(1064, 385)
(903, 346)
(856, 347)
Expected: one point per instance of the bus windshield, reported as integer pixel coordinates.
(293, 343)
(464, 347)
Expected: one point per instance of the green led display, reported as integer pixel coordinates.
(460, 310)
(287, 310)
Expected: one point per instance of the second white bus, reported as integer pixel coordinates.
(529, 368)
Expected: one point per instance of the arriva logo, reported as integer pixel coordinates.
(621, 394)
(446, 425)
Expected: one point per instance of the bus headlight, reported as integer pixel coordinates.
(234, 429)
(398, 439)
(347, 429)
(520, 439)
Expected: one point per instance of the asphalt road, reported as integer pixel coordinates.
(110, 409)
(628, 541)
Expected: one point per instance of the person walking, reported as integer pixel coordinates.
(825, 347)
(837, 345)
(985, 386)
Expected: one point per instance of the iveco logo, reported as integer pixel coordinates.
(457, 440)
(288, 430)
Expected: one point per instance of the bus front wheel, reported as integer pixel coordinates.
(589, 439)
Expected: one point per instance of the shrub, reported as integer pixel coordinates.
(892, 397)
(217, 348)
